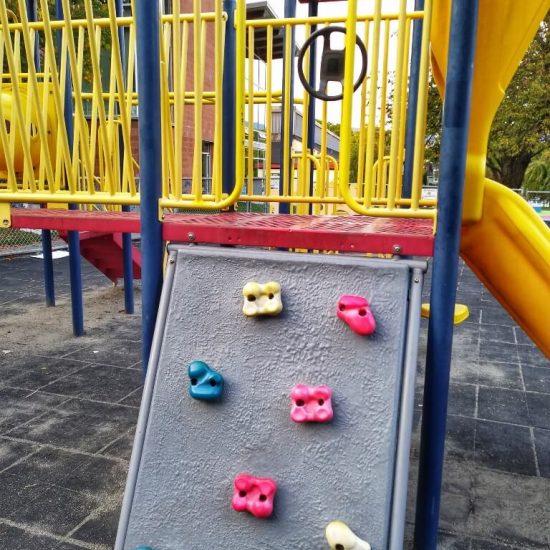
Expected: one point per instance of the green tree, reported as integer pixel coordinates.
(521, 129)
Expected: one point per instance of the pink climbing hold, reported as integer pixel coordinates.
(356, 312)
(254, 495)
(311, 403)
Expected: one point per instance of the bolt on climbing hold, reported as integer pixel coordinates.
(262, 299)
(254, 495)
(356, 312)
(341, 537)
(204, 383)
(311, 403)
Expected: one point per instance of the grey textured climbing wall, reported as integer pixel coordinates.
(192, 450)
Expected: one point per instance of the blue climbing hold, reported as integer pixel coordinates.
(204, 383)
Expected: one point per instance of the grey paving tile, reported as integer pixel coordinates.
(134, 398)
(464, 371)
(459, 443)
(79, 425)
(100, 529)
(15, 538)
(457, 495)
(452, 542)
(504, 447)
(539, 409)
(500, 375)
(521, 337)
(531, 355)
(97, 476)
(35, 372)
(19, 406)
(536, 379)
(12, 451)
(118, 353)
(494, 314)
(503, 406)
(120, 448)
(462, 399)
(47, 507)
(512, 509)
(542, 446)
(99, 382)
(497, 333)
(480, 544)
(501, 352)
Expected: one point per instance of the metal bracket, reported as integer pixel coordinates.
(5, 215)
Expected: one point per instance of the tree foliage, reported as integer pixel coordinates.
(521, 129)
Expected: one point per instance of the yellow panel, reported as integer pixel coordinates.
(509, 250)
(5, 215)
(505, 30)
(460, 315)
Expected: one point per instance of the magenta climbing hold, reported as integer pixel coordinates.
(311, 403)
(356, 312)
(254, 494)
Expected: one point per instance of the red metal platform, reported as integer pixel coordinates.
(404, 236)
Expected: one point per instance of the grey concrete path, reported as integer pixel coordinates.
(69, 406)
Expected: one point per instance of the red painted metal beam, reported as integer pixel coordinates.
(359, 234)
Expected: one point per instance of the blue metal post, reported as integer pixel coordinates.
(46, 234)
(290, 11)
(445, 268)
(148, 71)
(311, 126)
(413, 102)
(127, 260)
(75, 269)
(229, 99)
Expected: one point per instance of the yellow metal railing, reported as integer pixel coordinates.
(41, 162)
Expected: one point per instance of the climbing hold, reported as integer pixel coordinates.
(262, 299)
(204, 383)
(461, 313)
(356, 312)
(311, 403)
(341, 537)
(254, 495)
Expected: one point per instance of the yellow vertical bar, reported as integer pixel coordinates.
(383, 107)
(286, 139)
(373, 91)
(250, 124)
(268, 110)
(168, 151)
(219, 30)
(421, 110)
(129, 102)
(240, 42)
(197, 72)
(324, 128)
(98, 88)
(396, 122)
(177, 76)
(403, 107)
(362, 125)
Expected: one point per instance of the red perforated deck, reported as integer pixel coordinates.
(343, 233)
(404, 236)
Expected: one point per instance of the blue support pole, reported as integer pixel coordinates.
(229, 99)
(46, 234)
(290, 11)
(127, 259)
(75, 268)
(312, 12)
(414, 78)
(150, 160)
(456, 116)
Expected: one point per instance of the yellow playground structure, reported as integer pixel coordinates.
(221, 121)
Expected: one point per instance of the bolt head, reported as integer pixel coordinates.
(190, 236)
(396, 249)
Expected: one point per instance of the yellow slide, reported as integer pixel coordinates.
(504, 241)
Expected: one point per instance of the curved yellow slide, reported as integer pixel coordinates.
(504, 241)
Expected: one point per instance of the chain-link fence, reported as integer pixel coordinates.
(14, 240)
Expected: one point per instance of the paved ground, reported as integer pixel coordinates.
(69, 406)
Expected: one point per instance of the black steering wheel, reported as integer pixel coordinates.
(332, 64)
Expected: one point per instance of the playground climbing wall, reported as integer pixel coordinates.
(350, 465)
